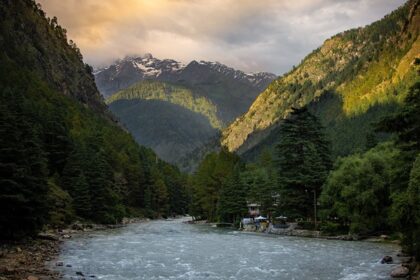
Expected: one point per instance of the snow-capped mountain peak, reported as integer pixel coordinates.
(131, 69)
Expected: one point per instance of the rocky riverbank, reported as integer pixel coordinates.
(28, 260)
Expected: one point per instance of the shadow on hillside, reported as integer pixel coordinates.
(347, 133)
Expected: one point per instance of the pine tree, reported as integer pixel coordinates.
(81, 196)
(406, 212)
(99, 178)
(302, 162)
(57, 142)
(406, 125)
(23, 171)
(406, 122)
(232, 204)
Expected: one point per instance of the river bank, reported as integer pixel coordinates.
(28, 259)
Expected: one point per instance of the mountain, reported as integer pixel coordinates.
(62, 155)
(166, 117)
(174, 108)
(232, 91)
(351, 81)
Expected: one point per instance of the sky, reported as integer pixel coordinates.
(250, 35)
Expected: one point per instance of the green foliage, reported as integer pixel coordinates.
(302, 163)
(61, 211)
(333, 228)
(23, 172)
(353, 80)
(175, 94)
(358, 191)
(406, 122)
(81, 197)
(208, 181)
(61, 154)
(232, 205)
(38, 43)
(405, 213)
(260, 182)
(180, 130)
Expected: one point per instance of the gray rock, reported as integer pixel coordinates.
(387, 260)
(400, 272)
(48, 236)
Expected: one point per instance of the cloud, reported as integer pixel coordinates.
(264, 35)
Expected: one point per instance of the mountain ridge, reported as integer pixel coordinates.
(363, 67)
(149, 67)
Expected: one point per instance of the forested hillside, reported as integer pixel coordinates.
(196, 101)
(61, 156)
(354, 79)
(231, 91)
(166, 117)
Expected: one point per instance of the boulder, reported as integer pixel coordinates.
(78, 273)
(48, 236)
(386, 259)
(400, 272)
(59, 264)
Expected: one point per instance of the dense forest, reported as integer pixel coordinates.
(169, 118)
(370, 192)
(62, 156)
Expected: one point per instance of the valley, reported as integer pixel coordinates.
(189, 168)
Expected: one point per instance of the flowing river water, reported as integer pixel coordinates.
(175, 250)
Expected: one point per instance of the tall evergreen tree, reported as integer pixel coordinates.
(23, 170)
(406, 125)
(302, 163)
(406, 122)
(232, 205)
(406, 211)
(81, 197)
(57, 141)
(104, 201)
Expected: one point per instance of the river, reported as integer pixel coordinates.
(174, 250)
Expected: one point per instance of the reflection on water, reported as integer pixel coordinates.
(173, 250)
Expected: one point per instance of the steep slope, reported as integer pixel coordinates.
(40, 44)
(61, 156)
(232, 91)
(355, 77)
(180, 130)
(168, 118)
(171, 93)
